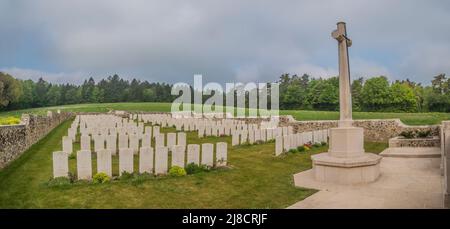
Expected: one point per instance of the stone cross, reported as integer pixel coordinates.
(345, 97)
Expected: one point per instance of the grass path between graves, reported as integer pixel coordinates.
(257, 179)
(407, 118)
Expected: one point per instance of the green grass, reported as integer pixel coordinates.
(407, 118)
(257, 179)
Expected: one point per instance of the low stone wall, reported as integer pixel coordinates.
(15, 139)
(376, 130)
(415, 142)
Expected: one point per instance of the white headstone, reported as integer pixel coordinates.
(193, 154)
(178, 156)
(123, 141)
(99, 143)
(286, 143)
(221, 153)
(84, 165)
(159, 140)
(161, 156)
(207, 154)
(278, 145)
(60, 164)
(146, 140)
(85, 142)
(126, 160)
(67, 144)
(134, 143)
(111, 144)
(146, 160)
(235, 139)
(181, 139)
(171, 140)
(244, 137)
(104, 162)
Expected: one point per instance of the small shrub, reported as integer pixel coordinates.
(293, 151)
(59, 181)
(424, 133)
(126, 176)
(177, 171)
(140, 178)
(307, 148)
(72, 156)
(407, 134)
(323, 143)
(316, 145)
(301, 149)
(9, 121)
(100, 178)
(193, 168)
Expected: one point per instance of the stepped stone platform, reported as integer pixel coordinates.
(412, 152)
(409, 183)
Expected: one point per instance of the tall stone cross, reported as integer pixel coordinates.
(345, 96)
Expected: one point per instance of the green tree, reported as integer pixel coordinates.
(375, 95)
(357, 87)
(10, 90)
(403, 97)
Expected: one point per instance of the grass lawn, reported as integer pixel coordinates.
(257, 179)
(407, 118)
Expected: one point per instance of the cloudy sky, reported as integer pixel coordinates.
(224, 40)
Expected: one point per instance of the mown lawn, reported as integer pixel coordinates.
(407, 118)
(256, 179)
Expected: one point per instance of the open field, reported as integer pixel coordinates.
(256, 179)
(407, 118)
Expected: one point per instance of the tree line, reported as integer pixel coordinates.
(296, 92)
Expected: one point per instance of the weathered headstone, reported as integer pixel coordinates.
(146, 160)
(221, 153)
(104, 162)
(193, 154)
(60, 164)
(84, 165)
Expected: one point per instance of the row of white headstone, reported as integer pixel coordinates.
(259, 135)
(292, 141)
(149, 161)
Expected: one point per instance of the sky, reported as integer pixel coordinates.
(224, 40)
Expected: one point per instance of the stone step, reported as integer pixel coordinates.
(412, 152)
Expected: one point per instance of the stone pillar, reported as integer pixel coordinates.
(345, 162)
